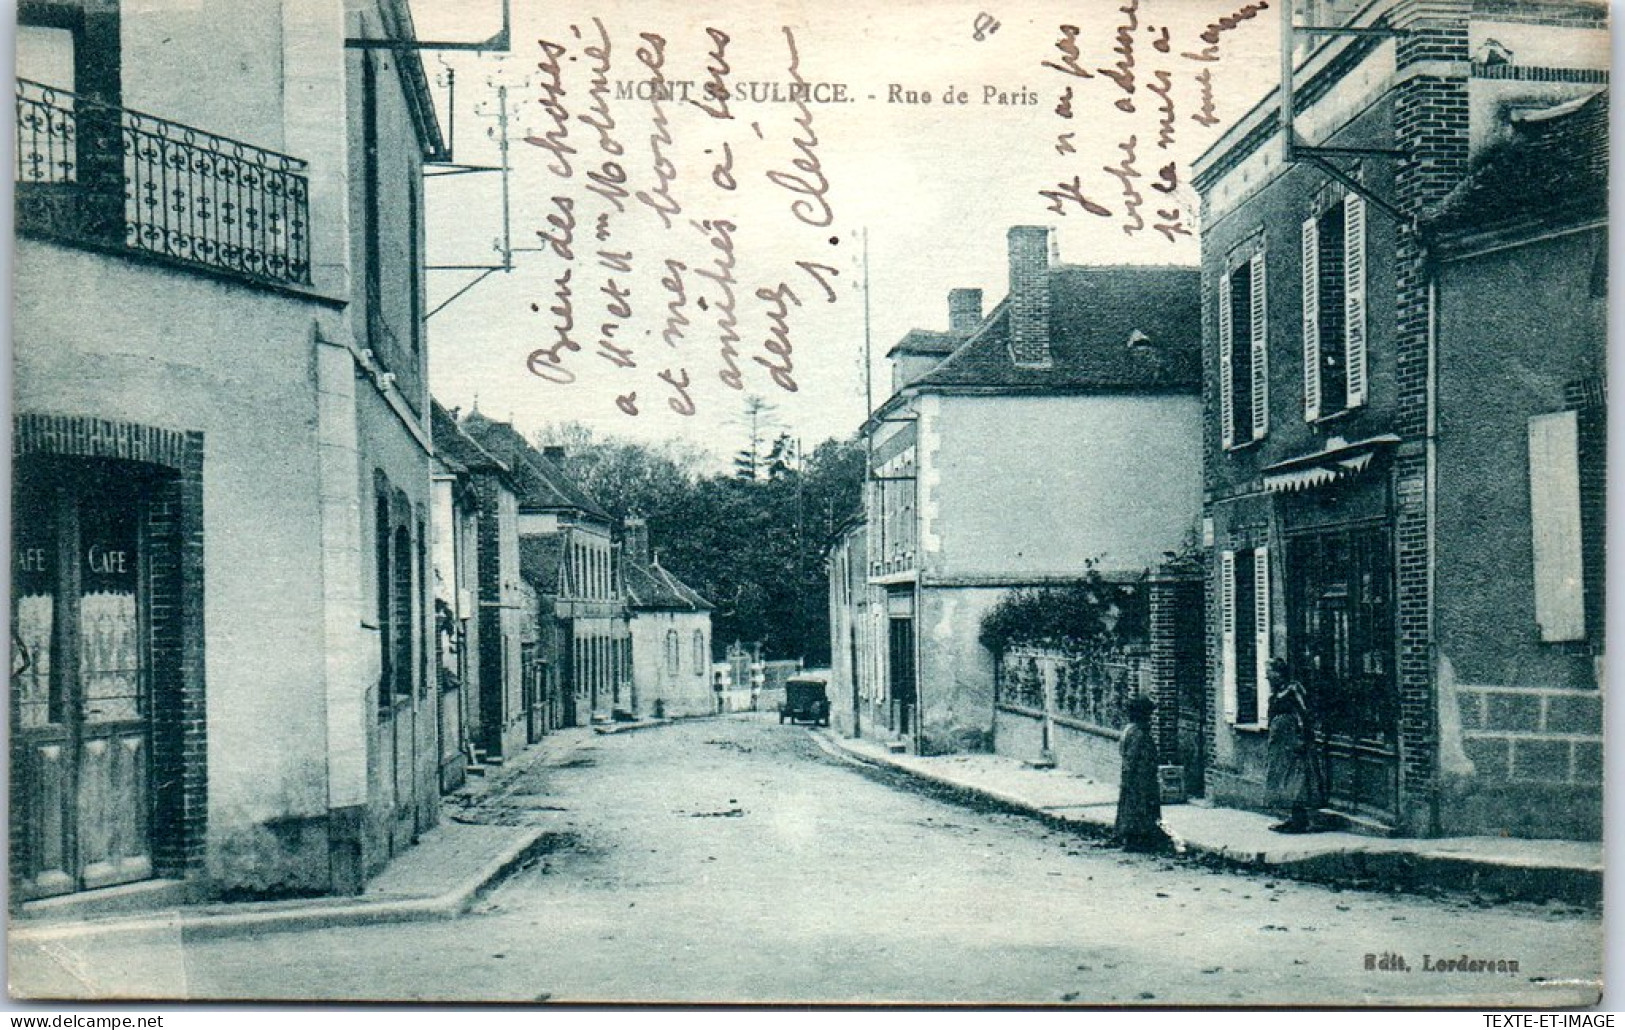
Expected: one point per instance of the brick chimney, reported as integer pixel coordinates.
(637, 539)
(964, 310)
(1032, 250)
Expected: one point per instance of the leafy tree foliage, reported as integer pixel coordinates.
(753, 546)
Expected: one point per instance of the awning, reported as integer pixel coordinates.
(1336, 462)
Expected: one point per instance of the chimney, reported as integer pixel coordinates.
(964, 310)
(637, 539)
(554, 452)
(1032, 250)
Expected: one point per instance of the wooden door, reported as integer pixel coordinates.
(535, 675)
(1343, 622)
(901, 665)
(80, 713)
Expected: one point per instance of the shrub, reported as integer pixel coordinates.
(1090, 616)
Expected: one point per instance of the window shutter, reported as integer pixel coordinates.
(1260, 349)
(1311, 319)
(1227, 402)
(1261, 624)
(1554, 521)
(1354, 273)
(1227, 632)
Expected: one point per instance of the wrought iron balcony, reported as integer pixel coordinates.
(111, 177)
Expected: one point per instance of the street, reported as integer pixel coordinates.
(733, 860)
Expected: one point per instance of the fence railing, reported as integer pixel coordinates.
(110, 176)
(1092, 689)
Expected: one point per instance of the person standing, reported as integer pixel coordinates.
(1292, 780)
(1139, 795)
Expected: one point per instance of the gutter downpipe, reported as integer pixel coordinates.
(1431, 487)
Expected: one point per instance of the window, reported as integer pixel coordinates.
(1244, 596)
(402, 616)
(1243, 353)
(1334, 359)
(673, 652)
(384, 593)
(699, 652)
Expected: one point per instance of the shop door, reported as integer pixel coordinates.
(903, 693)
(1343, 624)
(81, 730)
(535, 698)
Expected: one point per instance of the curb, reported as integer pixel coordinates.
(447, 905)
(1354, 868)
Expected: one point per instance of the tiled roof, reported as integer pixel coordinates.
(1553, 171)
(653, 587)
(1112, 328)
(541, 483)
(455, 447)
(927, 341)
(539, 560)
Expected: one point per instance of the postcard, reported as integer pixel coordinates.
(1045, 504)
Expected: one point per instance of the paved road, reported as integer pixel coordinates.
(734, 860)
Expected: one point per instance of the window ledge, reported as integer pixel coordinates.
(1246, 445)
(1335, 416)
(1260, 727)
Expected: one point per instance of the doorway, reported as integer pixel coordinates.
(1342, 642)
(81, 705)
(904, 695)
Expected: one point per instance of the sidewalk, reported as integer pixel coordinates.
(438, 878)
(1499, 868)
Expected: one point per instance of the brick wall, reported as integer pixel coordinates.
(1431, 131)
(1178, 669)
(1030, 251)
(1589, 398)
(964, 309)
(175, 609)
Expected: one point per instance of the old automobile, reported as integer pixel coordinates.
(805, 700)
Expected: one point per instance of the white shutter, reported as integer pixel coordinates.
(1311, 319)
(1260, 349)
(1227, 632)
(1354, 278)
(1261, 629)
(1554, 521)
(1227, 401)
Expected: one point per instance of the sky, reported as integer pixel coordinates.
(924, 190)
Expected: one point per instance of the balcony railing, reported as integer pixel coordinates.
(113, 177)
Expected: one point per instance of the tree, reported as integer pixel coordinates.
(626, 477)
(756, 418)
(754, 546)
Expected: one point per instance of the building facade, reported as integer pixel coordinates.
(495, 618)
(221, 610)
(454, 564)
(574, 568)
(670, 632)
(856, 696)
(1521, 248)
(1331, 456)
(1058, 433)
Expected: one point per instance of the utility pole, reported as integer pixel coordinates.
(502, 146)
